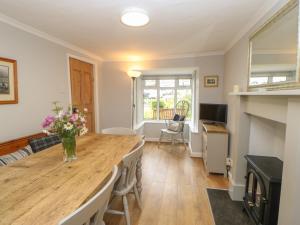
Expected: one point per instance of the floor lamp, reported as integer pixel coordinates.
(133, 74)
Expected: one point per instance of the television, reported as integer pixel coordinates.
(214, 113)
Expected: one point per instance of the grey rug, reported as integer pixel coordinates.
(226, 211)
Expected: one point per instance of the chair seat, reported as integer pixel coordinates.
(169, 131)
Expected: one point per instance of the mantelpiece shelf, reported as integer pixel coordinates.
(267, 93)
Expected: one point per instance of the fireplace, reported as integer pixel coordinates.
(262, 191)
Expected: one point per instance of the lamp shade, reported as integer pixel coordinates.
(134, 73)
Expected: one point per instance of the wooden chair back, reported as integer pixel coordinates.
(91, 213)
(128, 173)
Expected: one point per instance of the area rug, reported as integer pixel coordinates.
(226, 211)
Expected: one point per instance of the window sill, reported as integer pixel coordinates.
(162, 121)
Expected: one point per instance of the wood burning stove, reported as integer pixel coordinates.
(262, 192)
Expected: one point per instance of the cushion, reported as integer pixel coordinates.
(176, 117)
(12, 157)
(175, 126)
(40, 144)
(181, 118)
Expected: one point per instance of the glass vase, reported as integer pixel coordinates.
(69, 145)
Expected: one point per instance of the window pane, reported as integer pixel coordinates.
(258, 80)
(167, 83)
(279, 79)
(149, 83)
(186, 94)
(150, 98)
(185, 82)
(166, 108)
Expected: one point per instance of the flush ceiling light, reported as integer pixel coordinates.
(135, 17)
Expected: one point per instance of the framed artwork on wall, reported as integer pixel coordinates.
(8, 81)
(211, 81)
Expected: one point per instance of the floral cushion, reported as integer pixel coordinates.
(40, 144)
(12, 157)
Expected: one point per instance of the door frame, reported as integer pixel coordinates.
(96, 91)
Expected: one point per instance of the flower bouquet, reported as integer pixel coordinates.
(66, 124)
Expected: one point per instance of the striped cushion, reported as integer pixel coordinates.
(12, 157)
(40, 144)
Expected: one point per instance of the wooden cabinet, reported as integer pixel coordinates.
(214, 148)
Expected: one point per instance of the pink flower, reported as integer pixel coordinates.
(48, 121)
(74, 117)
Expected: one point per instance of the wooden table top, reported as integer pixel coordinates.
(211, 128)
(41, 189)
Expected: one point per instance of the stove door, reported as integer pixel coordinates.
(255, 196)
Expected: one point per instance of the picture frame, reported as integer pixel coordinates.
(211, 81)
(8, 81)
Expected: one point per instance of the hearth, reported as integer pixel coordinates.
(262, 192)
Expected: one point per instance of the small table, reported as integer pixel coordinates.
(42, 189)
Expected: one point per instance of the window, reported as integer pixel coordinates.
(279, 79)
(258, 80)
(161, 95)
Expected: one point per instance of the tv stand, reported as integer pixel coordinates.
(215, 148)
(212, 123)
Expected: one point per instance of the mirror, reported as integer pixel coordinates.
(273, 50)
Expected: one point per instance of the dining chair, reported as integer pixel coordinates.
(91, 212)
(127, 183)
(119, 131)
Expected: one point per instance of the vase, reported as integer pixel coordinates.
(69, 145)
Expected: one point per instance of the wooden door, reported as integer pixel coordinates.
(82, 89)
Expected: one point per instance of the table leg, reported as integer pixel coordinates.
(139, 176)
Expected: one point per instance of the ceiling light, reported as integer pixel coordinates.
(135, 17)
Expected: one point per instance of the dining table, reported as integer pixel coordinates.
(42, 189)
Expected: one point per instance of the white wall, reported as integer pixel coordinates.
(236, 64)
(267, 138)
(236, 73)
(42, 79)
(116, 89)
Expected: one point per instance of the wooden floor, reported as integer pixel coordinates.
(174, 189)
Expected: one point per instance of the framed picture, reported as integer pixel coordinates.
(8, 81)
(211, 81)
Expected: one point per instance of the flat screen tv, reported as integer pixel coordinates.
(215, 113)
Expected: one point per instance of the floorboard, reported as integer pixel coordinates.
(174, 189)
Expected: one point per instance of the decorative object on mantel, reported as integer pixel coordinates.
(236, 88)
(211, 81)
(67, 125)
(8, 81)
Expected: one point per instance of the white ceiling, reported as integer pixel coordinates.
(177, 27)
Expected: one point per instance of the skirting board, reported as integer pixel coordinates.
(157, 140)
(236, 191)
(192, 154)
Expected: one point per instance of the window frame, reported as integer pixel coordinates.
(175, 88)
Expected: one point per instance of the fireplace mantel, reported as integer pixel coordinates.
(281, 106)
(295, 92)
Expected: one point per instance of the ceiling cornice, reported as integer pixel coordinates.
(15, 23)
(256, 18)
(177, 56)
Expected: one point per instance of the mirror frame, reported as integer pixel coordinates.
(277, 16)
